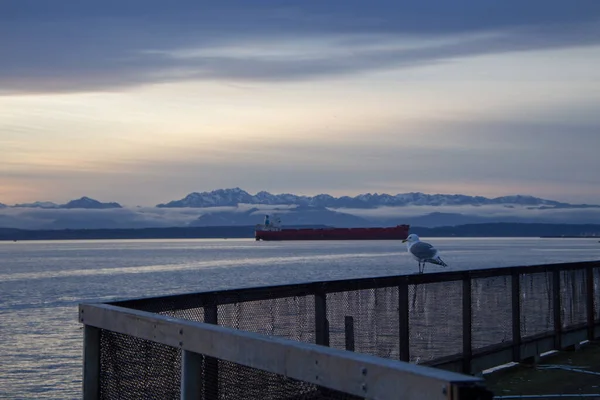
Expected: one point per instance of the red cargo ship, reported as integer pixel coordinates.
(273, 231)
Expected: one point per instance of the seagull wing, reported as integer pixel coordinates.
(423, 251)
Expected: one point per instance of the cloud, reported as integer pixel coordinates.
(489, 211)
(81, 46)
(127, 217)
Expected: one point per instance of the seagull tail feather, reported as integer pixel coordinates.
(438, 261)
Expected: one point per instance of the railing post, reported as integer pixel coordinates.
(556, 305)
(321, 323)
(91, 363)
(516, 314)
(211, 365)
(403, 318)
(191, 375)
(321, 327)
(349, 329)
(589, 293)
(467, 324)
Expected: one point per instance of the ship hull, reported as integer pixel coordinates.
(399, 232)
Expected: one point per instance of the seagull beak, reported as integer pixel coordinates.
(404, 241)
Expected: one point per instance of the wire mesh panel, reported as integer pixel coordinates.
(189, 307)
(161, 305)
(536, 303)
(491, 306)
(375, 316)
(573, 297)
(190, 314)
(286, 317)
(241, 382)
(133, 368)
(435, 320)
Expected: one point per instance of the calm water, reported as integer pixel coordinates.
(41, 284)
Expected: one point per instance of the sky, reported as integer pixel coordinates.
(143, 102)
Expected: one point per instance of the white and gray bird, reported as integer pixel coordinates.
(422, 252)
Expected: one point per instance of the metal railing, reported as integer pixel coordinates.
(462, 321)
(218, 362)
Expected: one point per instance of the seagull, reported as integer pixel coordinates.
(422, 252)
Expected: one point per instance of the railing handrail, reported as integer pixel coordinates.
(227, 296)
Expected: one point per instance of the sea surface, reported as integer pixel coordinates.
(41, 284)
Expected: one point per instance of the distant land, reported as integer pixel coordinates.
(235, 207)
(84, 202)
(236, 232)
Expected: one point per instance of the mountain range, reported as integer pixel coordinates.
(237, 207)
(235, 196)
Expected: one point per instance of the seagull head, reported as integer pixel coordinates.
(412, 238)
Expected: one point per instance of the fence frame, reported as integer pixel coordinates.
(345, 371)
(469, 361)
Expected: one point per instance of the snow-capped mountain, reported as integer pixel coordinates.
(220, 197)
(235, 196)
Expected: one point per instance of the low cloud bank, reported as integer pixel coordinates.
(145, 217)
